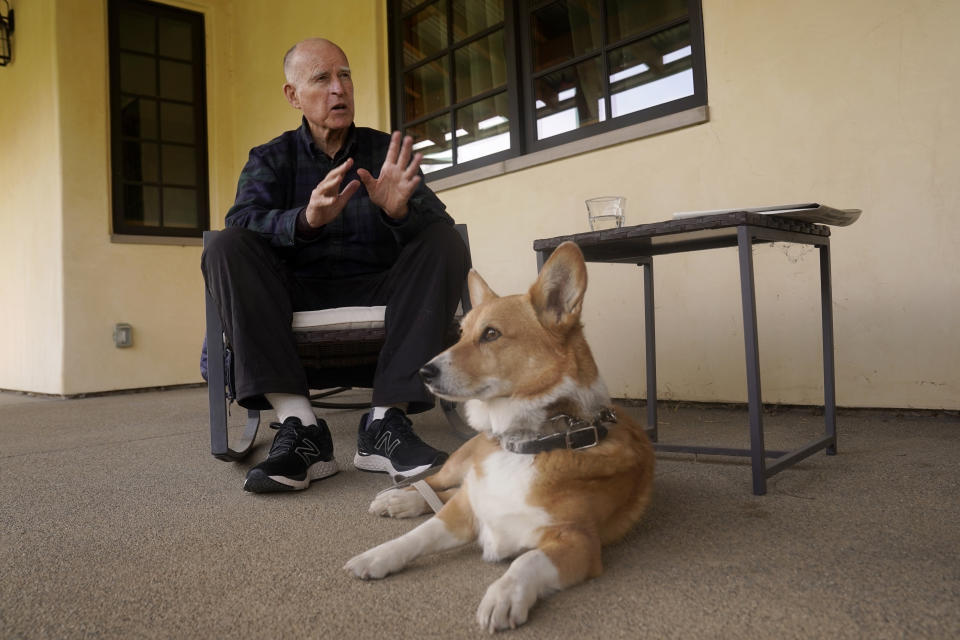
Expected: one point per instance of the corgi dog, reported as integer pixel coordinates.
(553, 473)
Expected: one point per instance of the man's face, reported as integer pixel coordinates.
(321, 86)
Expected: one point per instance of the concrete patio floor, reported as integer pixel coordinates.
(115, 522)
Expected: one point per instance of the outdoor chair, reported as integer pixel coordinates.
(339, 349)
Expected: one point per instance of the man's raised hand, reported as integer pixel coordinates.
(326, 200)
(398, 177)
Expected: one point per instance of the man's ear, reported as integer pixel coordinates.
(290, 93)
(557, 295)
(480, 292)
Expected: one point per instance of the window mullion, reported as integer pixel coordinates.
(156, 61)
(604, 66)
(452, 97)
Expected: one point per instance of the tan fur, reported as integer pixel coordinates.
(525, 359)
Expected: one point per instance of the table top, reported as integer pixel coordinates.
(690, 234)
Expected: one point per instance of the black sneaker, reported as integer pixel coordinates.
(298, 456)
(390, 446)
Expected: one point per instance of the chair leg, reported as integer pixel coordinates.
(217, 399)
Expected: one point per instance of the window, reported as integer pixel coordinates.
(478, 81)
(158, 120)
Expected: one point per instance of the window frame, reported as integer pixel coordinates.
(524, 145)
(120, 227)
(397, 68)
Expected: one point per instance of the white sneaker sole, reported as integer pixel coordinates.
(379, 464)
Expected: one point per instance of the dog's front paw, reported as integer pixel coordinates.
(399, 503)
(373, 564)
(505, 605)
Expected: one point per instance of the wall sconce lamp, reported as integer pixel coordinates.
(6, 29)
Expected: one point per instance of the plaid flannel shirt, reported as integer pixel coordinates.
(274, 189)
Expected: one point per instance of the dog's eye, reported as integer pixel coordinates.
(489, 335)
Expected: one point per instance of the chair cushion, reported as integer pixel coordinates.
(339, 318)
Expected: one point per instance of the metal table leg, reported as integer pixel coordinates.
(829, 376)
(651, 348)
(752, 350)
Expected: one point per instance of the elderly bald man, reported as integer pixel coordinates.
(331, 215)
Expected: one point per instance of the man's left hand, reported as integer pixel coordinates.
(398, 177)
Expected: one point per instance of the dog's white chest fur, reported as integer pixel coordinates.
(506, 523)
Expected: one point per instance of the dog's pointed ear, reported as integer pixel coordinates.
(557, 295)
(480, 292)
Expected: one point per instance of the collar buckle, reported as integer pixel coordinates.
(571, 444)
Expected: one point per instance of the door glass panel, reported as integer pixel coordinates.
(175, 40)
(176, 80)
(424, 33)
(176, 121)
(426, 88)
(137, 32)
(434, 140)
(563, 30)
(569, 98)
(138, 117)
(141, 205)
(473, 16)
(180, 207)
(651, 71)
(627, 18)
(483, 128)
(179, 164)
(138, 74)
(480, 66)
(140, 161)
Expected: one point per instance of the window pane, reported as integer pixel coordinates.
(486, 128)
(175, 40)
(424, 33)
(480, 66)
(138, 74)
(141, 205)
(569, 99)
(179, 164)
(651, 71)
(180, 207)
(433, 139)
(563, 30)
(140, 161)
(137, 32)
(626, 18)
(473, 16)
(138, 117)
(176, 80)
(176, 121)
(426, 89)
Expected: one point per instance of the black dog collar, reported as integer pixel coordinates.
(580, 434)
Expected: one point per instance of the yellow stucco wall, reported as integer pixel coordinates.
(851, 104)
(31, 261)
(65, 283)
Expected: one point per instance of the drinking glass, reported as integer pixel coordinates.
(605, 212)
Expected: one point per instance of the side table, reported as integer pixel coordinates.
(742, 229)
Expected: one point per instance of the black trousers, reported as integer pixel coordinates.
(257, 294)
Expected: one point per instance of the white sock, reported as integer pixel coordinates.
(377, 413)
(289, 405)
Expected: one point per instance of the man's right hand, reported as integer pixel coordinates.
(326, 200)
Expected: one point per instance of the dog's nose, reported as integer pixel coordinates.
(429, 372)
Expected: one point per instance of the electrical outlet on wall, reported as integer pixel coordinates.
(123, 335)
